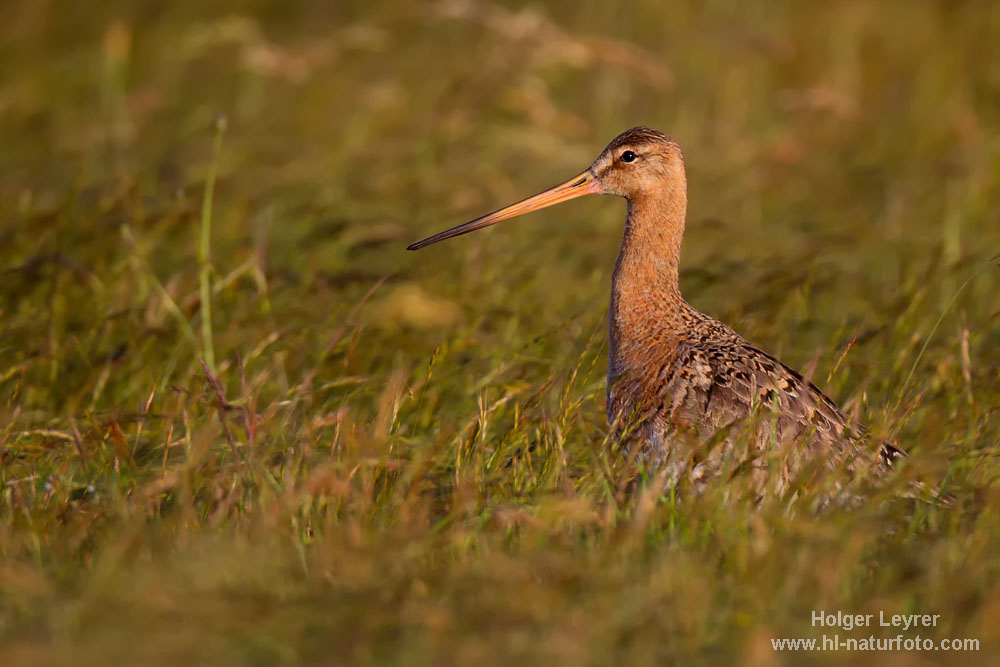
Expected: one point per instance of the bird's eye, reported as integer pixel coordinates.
(629, 156)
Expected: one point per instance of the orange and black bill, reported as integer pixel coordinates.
(584, 184)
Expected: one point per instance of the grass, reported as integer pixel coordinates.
(373, 456)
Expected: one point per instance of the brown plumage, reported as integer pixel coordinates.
(674, 371)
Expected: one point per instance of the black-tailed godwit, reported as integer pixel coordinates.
(674, 371)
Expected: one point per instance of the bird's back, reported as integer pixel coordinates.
(701, 381)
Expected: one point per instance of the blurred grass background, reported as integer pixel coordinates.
(394, 457)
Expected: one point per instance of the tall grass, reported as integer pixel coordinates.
(239, 424)
(205, 244)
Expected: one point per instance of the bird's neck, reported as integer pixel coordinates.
(647, 310)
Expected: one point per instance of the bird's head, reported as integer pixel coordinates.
(638, 161)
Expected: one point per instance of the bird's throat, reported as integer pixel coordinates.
(646, 303)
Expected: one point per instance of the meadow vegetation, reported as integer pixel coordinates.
(240, 424)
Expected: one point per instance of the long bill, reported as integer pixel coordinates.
(582, 184)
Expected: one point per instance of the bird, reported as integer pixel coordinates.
(675, 375)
